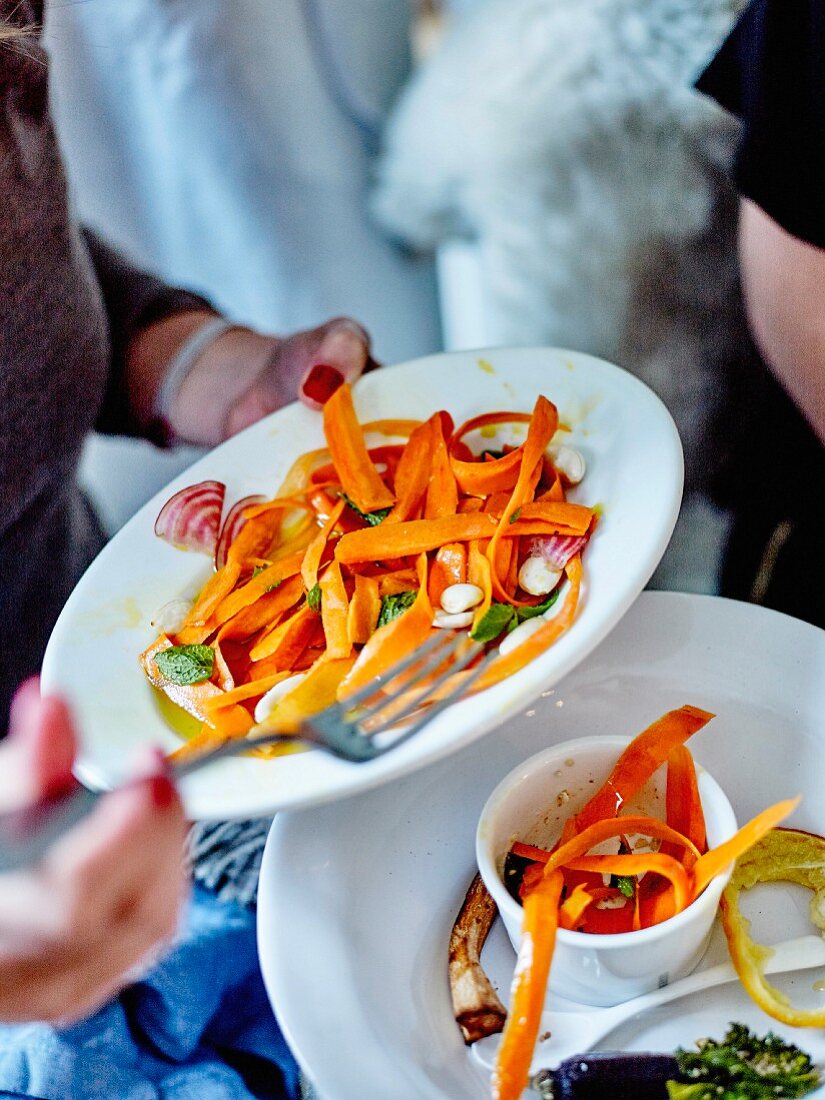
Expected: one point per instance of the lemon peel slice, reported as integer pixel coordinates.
(782, 855)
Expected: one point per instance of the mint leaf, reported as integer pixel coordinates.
(372, 518)
(539, 608)
(497, 619)
(393, 606)
(314, 598)
(186, 664)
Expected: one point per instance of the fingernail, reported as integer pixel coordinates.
(161, 791)
(322, 382)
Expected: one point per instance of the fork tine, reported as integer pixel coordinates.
(437, 657)
(431, 644)
(398, 716)
(438, 707)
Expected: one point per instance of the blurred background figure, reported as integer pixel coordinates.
(576, 188)
(228, 147)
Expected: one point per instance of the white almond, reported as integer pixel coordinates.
(538, 577)
(169, 618)
(267, 703)
(520, 634)
(452, 622)
(569, 463)
(461, 597)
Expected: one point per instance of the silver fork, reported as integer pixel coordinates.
(363, 727)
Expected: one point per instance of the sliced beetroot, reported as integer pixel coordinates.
(191, 518)
(235, 519)
(556, 549)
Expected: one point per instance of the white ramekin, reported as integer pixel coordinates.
(531, 804)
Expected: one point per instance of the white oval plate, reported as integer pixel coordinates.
(634, 472)
(356, 900)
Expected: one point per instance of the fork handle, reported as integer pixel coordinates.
(26, 835)
(233, 747)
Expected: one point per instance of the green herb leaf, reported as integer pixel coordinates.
(625, 884)
(372, 518)
(314, 598)
(515, 515)
(533, 612)
(186, 664)
(272, 587)
(393, 606)
(258, 569)
(743, 1066)
(494, 622)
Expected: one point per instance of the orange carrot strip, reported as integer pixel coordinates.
(234, 722)
(609, 827)
(538, 941)
(315, 550)
(359, 478)
(287, 639)
(449, 566)
(415, 537)
(395, 639)
(317, 690)
(390, 426)
(645, 753)
(656, 902)
(683, 804)
(206, 738)
(364, 609)
(442, 490)
(399, 580)
(717, 859)
(256, 587)
(554, 512)
(608, 922)
(529, 851)
(264, 612)
(536, 644)
(412, 475)
(543, 424)
(218, 586)
(334, 609)
(570, 913)
(245, 691)
(667, 866)
(226, 681)
(479, 478)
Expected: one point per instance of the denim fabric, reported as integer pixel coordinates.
(198, 1026)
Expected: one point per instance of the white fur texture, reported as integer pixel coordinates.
(565, 137)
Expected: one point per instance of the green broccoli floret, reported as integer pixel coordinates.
(743, 1067)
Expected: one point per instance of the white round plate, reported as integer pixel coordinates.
(356, 900)
(634, 473)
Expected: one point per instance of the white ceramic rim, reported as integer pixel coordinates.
(601, 940)
(613, 416)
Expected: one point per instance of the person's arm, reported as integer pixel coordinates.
(783, 280)
(235, 379)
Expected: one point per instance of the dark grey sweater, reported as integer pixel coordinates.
(68, 306)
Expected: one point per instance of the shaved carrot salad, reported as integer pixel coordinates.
(365, 550)
(573, 888)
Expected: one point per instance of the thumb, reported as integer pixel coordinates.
(341, 354)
